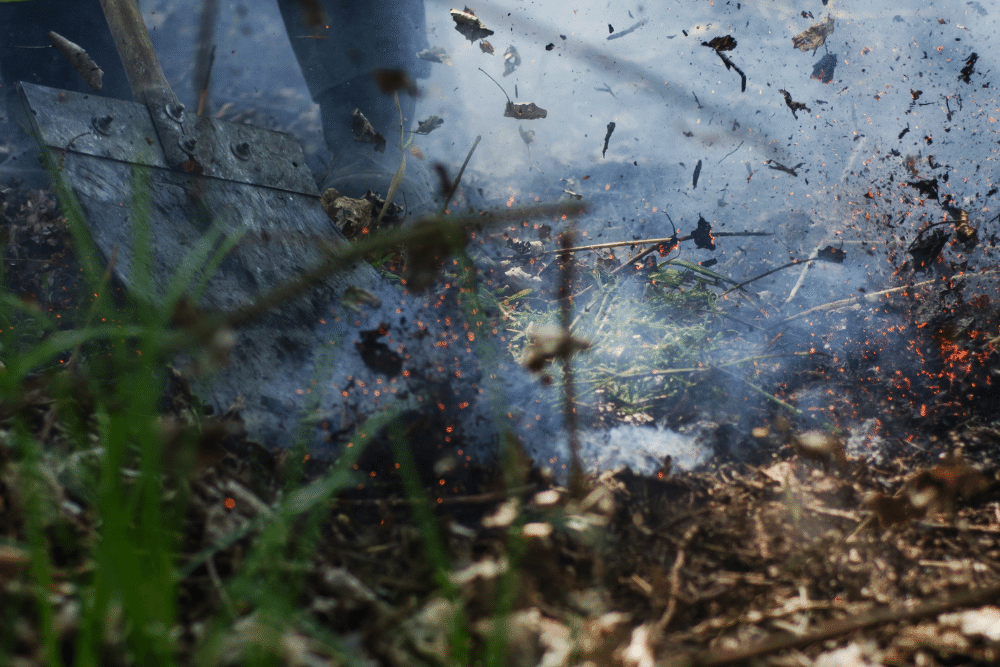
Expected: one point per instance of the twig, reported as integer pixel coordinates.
(400, 170)
(618, 244)
(566, 312)
(767, 273)
(458, 179)
(774, 399)
(213, 575)
(832, 629)
(675, 582)
(844, 303)
(205, 55)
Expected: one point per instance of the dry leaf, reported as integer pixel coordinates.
(486, 47)
(469, 25)
(78, 58)
(364, 132)
(529, 111)
(814, 37)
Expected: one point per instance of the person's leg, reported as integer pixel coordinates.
(337, 56)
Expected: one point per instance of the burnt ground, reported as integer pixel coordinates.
(864, 530)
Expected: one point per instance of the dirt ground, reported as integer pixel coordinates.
(813, 553)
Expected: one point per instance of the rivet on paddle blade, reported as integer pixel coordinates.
(176, 112)
(241, 150)
(102, 124)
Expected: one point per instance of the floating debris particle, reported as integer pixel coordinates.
(429, 125)
(486, 47)
(511, 61)
(607, 137)
(621, 33)
(969, 69)
(793, 105)
(697, 173)
(435, 55)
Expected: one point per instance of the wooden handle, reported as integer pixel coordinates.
(149, 86)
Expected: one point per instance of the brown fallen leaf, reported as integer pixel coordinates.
(815, 36)
(469, 25)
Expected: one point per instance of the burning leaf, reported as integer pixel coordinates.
(793, 105)
(969, 69)
(823, 70)
(469, 25)
(392, 80)
(925, 249)
(78, 58)
(814, 37)
(364, 132)
(511, 60)
(724, 43)
(702, 236)
(831, 254)
(486, 47)
(607, 137)
(429, 125)
(435, 55)
(529, 111)
(527, 136)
